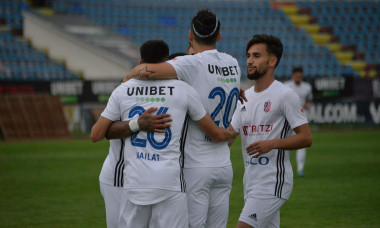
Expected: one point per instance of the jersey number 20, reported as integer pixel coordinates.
(231, 102)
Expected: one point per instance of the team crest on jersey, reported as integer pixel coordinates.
(302, 111)
(267, 106)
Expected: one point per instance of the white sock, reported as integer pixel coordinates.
(301, 157)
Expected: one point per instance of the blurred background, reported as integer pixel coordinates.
(61, 59)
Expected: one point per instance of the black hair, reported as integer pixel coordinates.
(172, 56)
(274, 45)
(297, 70)
(205, 26)
(154, 51)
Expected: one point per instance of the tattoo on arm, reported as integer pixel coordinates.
(143, 74)
(118, 129)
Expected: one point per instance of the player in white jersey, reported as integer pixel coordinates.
(153, 170)
(111, 177)
(304, 92)
(265, 123)
(216, 77)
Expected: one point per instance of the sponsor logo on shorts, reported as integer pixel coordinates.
(253, 216)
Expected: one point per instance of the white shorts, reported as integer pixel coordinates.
(208, 191)
(112, 196)
(171, 212)
(262, 213)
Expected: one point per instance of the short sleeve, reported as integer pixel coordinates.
(186, 68)
(291, 108)
(112, 110)
(195, 106)
(236, 121)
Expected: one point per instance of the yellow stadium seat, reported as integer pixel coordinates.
(334, 47)
(321, 38)
(290, 10)
(299, 19)
(344, 57)
(311, 28)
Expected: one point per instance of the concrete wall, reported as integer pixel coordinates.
(78, 55)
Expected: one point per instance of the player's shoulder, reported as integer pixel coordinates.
(130, 82)
(120, 87)
(213, 53)
(226, 56)
(178, 84)
(250, 90)
(283, 90)
(288, 82)
(186, 60)
(281, 86)
(189, 58)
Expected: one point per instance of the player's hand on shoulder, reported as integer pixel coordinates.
(242, 97)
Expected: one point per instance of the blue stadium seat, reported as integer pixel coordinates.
(169, 20)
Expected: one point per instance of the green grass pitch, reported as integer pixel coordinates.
(55, 183)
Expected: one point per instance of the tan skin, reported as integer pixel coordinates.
(259, 59)
(217, 134)
(148, 122)
(190, 50)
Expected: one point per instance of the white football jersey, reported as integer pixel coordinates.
(154, 161)
(216, 78)
(270, 114)
(303, 90)
(113, 166)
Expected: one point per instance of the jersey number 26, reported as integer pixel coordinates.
(138, 110)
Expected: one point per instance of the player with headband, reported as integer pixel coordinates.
(216, 77)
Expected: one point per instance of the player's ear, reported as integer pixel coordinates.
(273, 61)
(218, 37)
(191, 35)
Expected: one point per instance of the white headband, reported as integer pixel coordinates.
(204, 36)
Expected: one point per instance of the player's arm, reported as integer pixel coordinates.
(301, 139)
(146, 122)
(152, 71)
(235, 134)
(99, 129)
(217, 134)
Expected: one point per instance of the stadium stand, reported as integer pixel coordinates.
(169, 20)
(356, 53)
(19, 61)
(355, 26)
